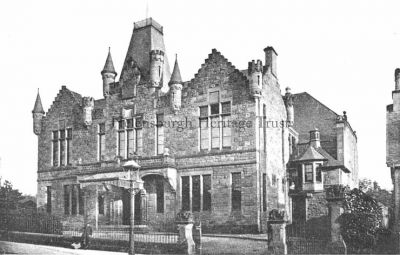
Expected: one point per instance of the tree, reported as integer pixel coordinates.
(360, 221)
(9, 197)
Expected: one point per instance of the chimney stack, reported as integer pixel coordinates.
(397, 79)
(270, 59)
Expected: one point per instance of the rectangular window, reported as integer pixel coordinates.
(207, 192)
(102, 141)
(62, 147)
(214, 132)
(196, 193)
(203, 128)
(130, 143)
(101, 204)
(66, 199)
(318, 174)
(69, 147)
(215, 124)
(185, 193)
(160, 195)
(55, 148)
(74, 201)
(226, 124)
(160, 133)
(264, 190)
(48, 193)
(308, 173)
(139, 134)
(80, 202)
(236, 191)
(121, 138)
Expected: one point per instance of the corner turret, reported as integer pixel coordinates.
(255, 71)
(37, 115)
(156, 68)
(175, 85)
(108, 74)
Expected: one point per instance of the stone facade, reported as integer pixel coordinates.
(84, 143)
(326, 155)
(393, 147)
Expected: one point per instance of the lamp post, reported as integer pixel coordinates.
(134, 187)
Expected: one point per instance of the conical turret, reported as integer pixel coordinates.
(175, 85)
(37, 115)
(108, 74)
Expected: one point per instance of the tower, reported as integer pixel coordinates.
(175, 85)
(255, 70)
(37, 115)
(108, 74)
(156, 68)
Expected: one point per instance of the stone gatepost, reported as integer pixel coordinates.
(185, 227)
(277, 243)
(335, 198)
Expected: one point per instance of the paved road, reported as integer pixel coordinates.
(211, 246)
(23, 248)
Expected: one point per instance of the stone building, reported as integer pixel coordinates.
(325, 154)
(393, 147)
(202, 145)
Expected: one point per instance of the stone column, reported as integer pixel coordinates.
(143, 206)
(335, 198)
(278, 243)
(185, 228)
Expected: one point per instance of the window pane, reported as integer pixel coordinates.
(55, 135)
(160, 119)
(308, 173)
(264, 189)
(236, 191)
(62, 134)
(129, 123)
(66, 199)
(214, 109)
(102, 128)
(62, 152)
(226, 131)
(73, 199)
(206, 192)
(318, 176)
(101, 204)
(160, 140)
(215, 133)
(139, 122)
(203, 134)
(48, 205)
(185, 193)
(214, 97)
(130, 143)
(69, 133)
(139, 140)
(102, 146)
(196, 193)
(69, 152)
(160, 195)
(204, 111)
(121, 124)
(55, 153)
(121, 139)
(226, 107)
(81, 204)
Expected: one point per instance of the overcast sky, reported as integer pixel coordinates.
(342, 52)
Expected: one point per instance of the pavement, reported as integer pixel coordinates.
(24, 248)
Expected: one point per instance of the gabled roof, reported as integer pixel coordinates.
(38, 108)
